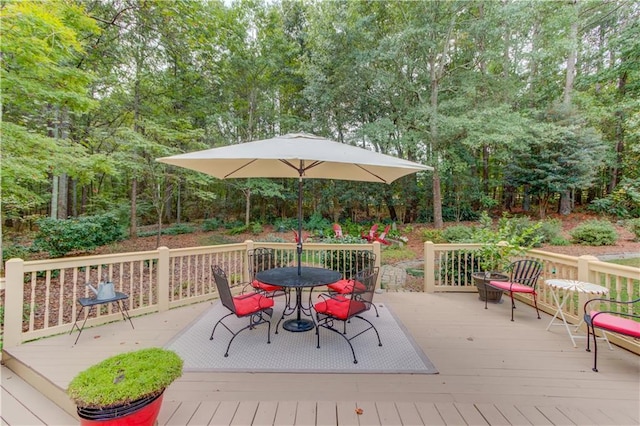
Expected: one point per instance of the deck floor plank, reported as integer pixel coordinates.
(326, 414)
(492, 415)
(346, 413)
(430, 414)
(225, 413)
(286, 413)
(204, 413)
(266, 413)
(388, 414)
(534, 415)
(306, 413)
(408, 413)
(470, 413)
(245, 414)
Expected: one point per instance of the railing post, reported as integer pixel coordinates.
(584, 272)
(13, 299)
(429, 261)
(163, 278)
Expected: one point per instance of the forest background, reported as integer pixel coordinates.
(523, 106)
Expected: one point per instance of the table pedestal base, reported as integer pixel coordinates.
(298, 325)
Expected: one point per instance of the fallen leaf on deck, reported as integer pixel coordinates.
(359, 411)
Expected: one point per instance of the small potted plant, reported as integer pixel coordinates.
(499, 248)
(125, 388)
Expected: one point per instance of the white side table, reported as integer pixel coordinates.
(567, 286)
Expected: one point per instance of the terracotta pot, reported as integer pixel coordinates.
(489, 293)
(143, 412)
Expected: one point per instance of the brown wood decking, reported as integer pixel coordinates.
(492, 371)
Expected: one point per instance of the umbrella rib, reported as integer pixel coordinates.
(240, 168)
(371, 173)
(301, 169)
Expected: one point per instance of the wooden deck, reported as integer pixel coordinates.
(492, 371)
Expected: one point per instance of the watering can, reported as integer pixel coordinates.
(104, 291)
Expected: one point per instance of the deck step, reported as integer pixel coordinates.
(22, 404)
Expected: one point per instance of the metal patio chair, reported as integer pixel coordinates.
(343, 308)
(252, 305)
(523, 279)
(261, 259)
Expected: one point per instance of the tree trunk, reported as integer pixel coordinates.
(133, 222)
(565, 203)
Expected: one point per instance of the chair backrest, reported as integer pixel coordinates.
(526, 272)
(337, 229)
(362, 260)
(369, 279)
(224, 291)
(373, 230)
(260, 259)
(385, 232)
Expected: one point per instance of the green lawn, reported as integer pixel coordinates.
(634, 261)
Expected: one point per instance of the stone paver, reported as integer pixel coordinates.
(394, 276)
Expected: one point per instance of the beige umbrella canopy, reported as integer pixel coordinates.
(296, 155)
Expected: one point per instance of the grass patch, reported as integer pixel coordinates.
(396, 253)
(633, 261)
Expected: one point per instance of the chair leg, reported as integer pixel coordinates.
(535, 303)
(513, 304)
(595, 349)
(220, 322)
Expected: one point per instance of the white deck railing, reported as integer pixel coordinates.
(40, 296)
(162, 279)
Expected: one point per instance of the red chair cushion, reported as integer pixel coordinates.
(347, 286)
(248, 304)
(616, 324)
(514, 287)
(338, 307)
(265, 287)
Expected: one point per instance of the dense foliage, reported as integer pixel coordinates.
(521, 105)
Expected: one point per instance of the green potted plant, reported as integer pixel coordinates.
(499, 247)
(125, 388)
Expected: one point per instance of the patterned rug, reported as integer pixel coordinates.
(297, 352)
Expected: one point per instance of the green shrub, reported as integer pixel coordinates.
(241, 229)
(256, 228)
(178, 229)
(85, 233)
(457, 234)
(634, 226)
(550, 229)
(594, 233)
(211, 224)
(433, 235)
(316, 223)
(286, 224)
(559, 241)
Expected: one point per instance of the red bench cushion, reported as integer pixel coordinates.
(616, 324)
(514, 287)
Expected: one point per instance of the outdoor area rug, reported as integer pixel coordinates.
(297, 352)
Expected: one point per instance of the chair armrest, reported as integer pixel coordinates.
(601, 299)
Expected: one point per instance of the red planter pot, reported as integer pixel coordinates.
(143, 412)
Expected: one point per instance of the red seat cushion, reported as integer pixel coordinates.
(514, 287)
(347, 286)
(248, 304)
(265, 287)
(616, 324)
(340, 307)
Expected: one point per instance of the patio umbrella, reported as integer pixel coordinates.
(296, 155)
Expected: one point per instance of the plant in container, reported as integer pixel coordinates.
(499, 247)
(125, 389)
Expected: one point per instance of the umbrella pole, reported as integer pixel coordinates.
(299, 245)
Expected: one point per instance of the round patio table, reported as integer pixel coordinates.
(288, 277)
